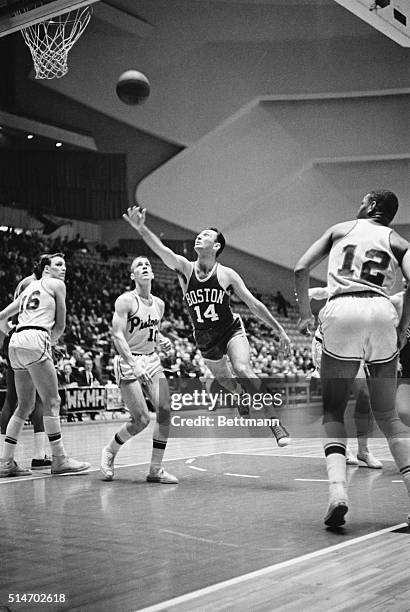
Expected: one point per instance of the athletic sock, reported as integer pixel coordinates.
(52, 427)
(335, 453)
(13, 431)
(122, 436)
(2, 437)
(40, 441)
(158, 450)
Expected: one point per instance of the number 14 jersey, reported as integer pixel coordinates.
(362, 260)
(208, 302)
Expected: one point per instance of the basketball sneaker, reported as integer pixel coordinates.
(41, 464)
(107, 464)
(160, 475)
(338, 505)
(65, 465)
(10, 469)
(281, 434)
(369, 460)
(350, 458)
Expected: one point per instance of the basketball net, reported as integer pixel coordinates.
(50, 41)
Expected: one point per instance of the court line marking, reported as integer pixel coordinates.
(15, 479)
(191, 537)
(190, 460)
(311, 479)
(270, 569)
(241, 475)
(193, 467)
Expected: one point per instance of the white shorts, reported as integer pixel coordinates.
(359, 327)
(317, 357)
(123, 371)
(28, 347)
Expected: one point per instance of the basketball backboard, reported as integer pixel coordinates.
(17, 14)
(391, 17)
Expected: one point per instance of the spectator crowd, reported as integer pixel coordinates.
(95, 277)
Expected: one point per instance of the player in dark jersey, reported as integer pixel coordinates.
(207, 286)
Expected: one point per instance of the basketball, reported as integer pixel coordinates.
(133, 87)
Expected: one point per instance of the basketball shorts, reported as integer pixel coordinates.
(359, 327)
(317, 344)
(28, 347)
(213, 343)
(123, 372)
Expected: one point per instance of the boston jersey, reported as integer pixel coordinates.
(362, 260)
(37, 307)
(208, 302)
(143, 325)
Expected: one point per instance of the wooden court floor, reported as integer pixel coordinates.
(243, 531)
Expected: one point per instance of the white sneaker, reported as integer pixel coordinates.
(370, 460)
(338, 505)
(350, 458)
(68, 466)
(160, 475)
(10, 469)
(107, 464)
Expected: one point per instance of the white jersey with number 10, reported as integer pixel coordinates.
(362, 260)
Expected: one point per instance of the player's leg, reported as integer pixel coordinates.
(403, 400)
(337, 378)
(25, 397)
(363, 418)
(134, 400)
(44, 377)
(40, 459)
(382, 393)
(10, 403)
(239, 355)
(158, 392)
(222, 371)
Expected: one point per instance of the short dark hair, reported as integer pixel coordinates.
(43, 261)
(387, 203)
(219, 238)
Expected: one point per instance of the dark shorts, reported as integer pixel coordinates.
(213, 343)
(405, 361)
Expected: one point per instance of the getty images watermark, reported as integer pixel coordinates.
(202, 412)
(224, 399)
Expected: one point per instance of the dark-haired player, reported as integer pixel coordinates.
(40, 459)
(207, 287)
(359, 323)
(41, 320)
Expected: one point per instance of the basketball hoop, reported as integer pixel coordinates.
(50, 41)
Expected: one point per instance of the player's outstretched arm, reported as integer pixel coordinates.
(311, 258)
(135, 216)
(256, 306)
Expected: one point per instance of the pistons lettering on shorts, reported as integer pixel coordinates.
(137, 323)
(198, 296)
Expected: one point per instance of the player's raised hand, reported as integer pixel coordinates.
(284, 344)
(135, 216)
(306, 324)
(164, 343)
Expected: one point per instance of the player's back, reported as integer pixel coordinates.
(37, 307)
(362, 260)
